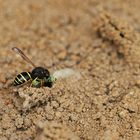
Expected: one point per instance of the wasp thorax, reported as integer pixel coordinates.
(40, 72)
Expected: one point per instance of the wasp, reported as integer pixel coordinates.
(39, 76)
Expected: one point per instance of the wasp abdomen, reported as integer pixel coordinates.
(22, 78)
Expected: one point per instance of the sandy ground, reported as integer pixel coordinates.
(98, 39)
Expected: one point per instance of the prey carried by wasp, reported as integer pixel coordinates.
(39, 76)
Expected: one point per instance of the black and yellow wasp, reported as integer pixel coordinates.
(39, 76)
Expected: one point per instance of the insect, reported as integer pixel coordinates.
(39, 76)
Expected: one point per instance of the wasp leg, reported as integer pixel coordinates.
(31, 84)
(36, 83)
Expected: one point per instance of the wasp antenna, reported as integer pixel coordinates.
(18, 51)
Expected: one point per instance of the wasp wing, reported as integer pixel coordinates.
(21, 53)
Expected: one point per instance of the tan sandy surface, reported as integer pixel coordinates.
(99, 39)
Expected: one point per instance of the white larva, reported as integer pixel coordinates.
(65, 73)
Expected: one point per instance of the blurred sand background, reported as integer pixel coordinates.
(99, 39)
